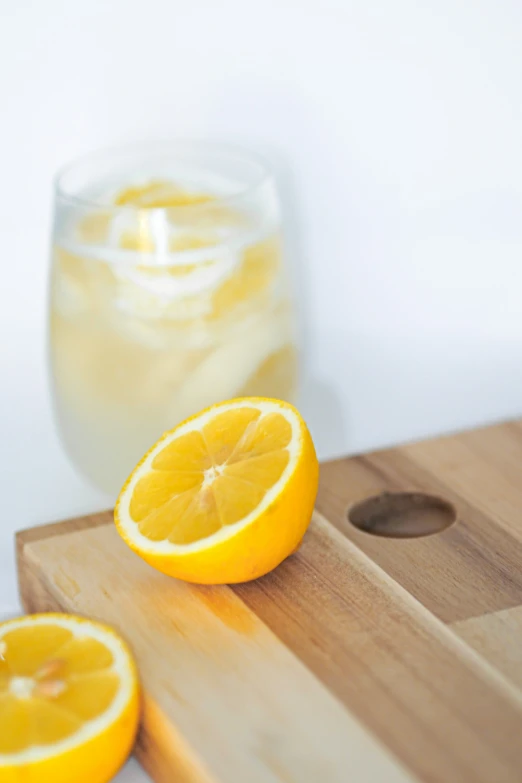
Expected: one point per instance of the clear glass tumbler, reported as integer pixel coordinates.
(168, 293)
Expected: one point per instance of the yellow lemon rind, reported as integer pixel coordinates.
(252, 546)
(97, 751)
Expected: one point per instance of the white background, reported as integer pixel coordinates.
(396, 132)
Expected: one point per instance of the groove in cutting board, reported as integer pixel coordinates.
(392, 663)
(470, 568)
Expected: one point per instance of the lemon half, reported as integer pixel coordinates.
(225, 496)
(69, 702)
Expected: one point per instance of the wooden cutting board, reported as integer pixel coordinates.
(363, 658)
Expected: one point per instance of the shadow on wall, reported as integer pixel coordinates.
(318, 402)
(326, 238)
(322, 409)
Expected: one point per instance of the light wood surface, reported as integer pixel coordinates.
(360, 658)
(498, 637)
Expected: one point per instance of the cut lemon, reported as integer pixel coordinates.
(68, 700)
(225, 496)
(159, 194)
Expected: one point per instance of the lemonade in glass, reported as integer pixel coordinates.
(168, 294)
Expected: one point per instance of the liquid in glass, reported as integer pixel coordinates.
(164, 300)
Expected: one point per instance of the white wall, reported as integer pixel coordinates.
(396, 128)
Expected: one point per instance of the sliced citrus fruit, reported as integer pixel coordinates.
(225, 496)
(159, 194)
(68, 700)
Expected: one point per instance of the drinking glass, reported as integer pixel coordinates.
(168, 293)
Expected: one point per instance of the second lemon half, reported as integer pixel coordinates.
(225, 496)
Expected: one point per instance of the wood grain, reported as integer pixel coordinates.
(498, 637)
(393, 665)
(470, 568)
(391, 662)
(360, 657)
(240, 704)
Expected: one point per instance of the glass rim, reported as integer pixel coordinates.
(224, 149)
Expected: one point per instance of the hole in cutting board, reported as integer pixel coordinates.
(402, 515)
